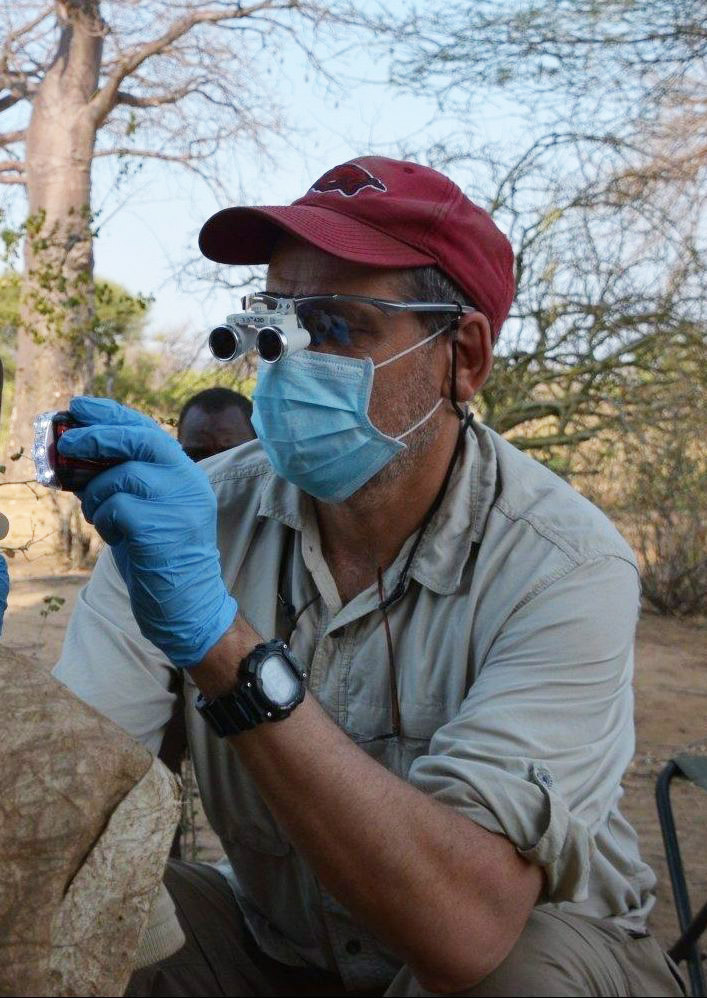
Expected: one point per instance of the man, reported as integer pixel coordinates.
(214, 420)
(436, 809)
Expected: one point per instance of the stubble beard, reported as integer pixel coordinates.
(423, 395)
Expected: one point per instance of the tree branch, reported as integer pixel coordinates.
(10, 100)
(9, 138)
(25, 29)
(185, 159)
(554, 440)
(130, 100)
(105, 99)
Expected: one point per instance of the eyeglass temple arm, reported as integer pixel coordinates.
(393, 306)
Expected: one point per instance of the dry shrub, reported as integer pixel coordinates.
(669, 529)
(652, 484)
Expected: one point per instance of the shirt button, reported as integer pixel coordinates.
(543, 776)
(353, 946)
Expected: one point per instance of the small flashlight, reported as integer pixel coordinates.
(55, 470)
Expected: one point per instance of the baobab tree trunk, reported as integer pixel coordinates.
(54, 348)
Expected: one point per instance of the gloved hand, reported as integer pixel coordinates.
(157, 511)
(4, 589)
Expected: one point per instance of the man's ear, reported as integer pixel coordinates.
(474, 356)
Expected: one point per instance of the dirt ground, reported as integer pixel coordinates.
(671, 695)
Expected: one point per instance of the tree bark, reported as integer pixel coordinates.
(54, 347)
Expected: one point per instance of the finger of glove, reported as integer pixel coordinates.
(123, 443)
(4, 589)
(4, 579)
(141, 480)
(115, 517)
(90, 410)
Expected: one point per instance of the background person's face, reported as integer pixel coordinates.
(203, 434)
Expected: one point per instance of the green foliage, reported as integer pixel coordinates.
(119, 316)
(10, 290)
(118, 323)
(92, 317)
(157, 380)
(159, 383)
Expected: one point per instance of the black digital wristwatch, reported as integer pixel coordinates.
(270, 685)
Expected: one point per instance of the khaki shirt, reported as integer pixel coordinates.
(513, 649)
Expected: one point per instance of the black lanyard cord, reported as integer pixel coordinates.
(399, 588)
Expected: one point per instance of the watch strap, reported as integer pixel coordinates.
(242, 709)
(229, 714)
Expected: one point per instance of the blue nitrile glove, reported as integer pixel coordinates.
(4, 589)
(157, 511)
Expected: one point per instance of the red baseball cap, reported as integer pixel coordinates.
(385, 213)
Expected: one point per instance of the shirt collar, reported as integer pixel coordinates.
(458, 523)
(282, 501)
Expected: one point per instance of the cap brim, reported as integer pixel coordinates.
(248, 235)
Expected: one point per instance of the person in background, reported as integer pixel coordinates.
(213, 421)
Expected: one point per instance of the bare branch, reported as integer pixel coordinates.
(105, 99)
(155, 100)
(14, 36)
(10, 138)
(12, 550)
(9, 100)
(184, 159)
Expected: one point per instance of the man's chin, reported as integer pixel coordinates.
(376, 491)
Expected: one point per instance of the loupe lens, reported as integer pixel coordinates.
(223, 343)
(270, 344)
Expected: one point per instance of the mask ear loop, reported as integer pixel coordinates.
(463, 416)
(466, 419)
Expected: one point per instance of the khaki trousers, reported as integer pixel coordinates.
(557, 954)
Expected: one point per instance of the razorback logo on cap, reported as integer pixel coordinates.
(347, 179)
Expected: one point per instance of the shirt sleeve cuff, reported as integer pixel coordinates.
(528, 810)
(565, 847)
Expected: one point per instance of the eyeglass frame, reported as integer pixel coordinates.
(385, 305)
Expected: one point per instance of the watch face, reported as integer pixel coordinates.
(278, 681)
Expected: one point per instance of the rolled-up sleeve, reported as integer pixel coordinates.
(539, 745)
(108, 664)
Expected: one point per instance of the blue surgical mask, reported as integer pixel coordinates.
(310, 411)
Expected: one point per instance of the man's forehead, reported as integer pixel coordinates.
(298, 269)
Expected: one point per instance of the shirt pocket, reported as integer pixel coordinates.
(397, 752)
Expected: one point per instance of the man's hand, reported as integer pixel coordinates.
(157, 511)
